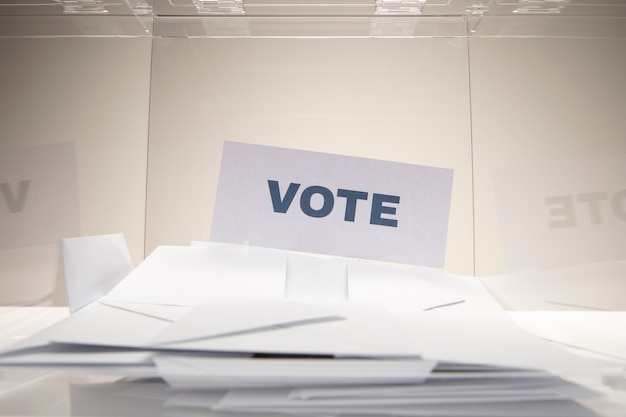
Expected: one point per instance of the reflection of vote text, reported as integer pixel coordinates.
(15, 200)
(585, 208)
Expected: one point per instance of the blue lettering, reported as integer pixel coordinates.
(305, 201)
(351, 199)
(378, 209)
(380, 202)
(281, 205)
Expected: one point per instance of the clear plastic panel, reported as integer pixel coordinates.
(524, 104)
(73, 143)
(550, 160)
(327, 86)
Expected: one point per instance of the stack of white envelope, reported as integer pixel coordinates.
(240, 329)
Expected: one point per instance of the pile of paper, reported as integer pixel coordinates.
(247, 330)
(366, 387)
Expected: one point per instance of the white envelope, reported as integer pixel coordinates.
(406, 290)
(235, 325)
(316, 277)
(277, 400)
(489, 384)
(232, 316)
(201, 373)
(159, 306)
(287, 327)
(101, 324)
(235, 296)
(187, 275)
(93, 266)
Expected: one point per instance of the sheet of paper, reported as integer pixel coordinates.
(187, 275)
(103, 325)
(590, 331)
(482, 338)
(402, 214)
(470, 386)
(83, 337)
(202, 401)
(93, 265)
(232, 316)
(237, 325)
(278, 399)
(406, 290)
(366, 330)
(163, 312)
(311, 277)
